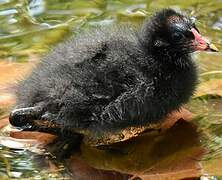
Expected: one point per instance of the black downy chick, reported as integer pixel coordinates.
(110, 79)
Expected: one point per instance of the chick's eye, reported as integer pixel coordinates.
(177, 36)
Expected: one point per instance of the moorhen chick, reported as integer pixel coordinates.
(108, 79)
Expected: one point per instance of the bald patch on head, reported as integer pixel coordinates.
(174, 19)
(178, 20)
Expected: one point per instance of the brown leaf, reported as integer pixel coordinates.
(40, 137)
(174, 153)
(131, 132)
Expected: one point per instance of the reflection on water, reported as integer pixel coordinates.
(16, 163)
(29, 28)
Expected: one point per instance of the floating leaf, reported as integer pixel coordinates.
(177, 153)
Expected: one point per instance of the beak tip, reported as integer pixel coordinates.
(213, 48)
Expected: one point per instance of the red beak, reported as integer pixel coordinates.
(202, 44)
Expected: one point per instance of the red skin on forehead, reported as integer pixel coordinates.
(200, 42)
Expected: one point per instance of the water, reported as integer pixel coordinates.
(29, 28)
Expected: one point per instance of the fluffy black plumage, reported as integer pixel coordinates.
(108, 79)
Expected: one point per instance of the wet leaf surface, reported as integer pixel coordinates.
(176, 153)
